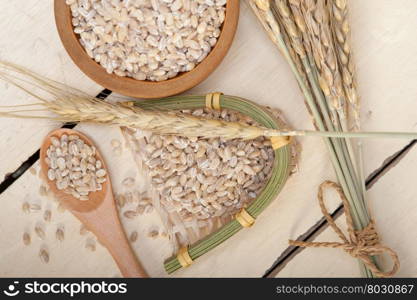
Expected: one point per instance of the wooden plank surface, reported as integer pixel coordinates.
(28, 37)
(253, 69)
(394, 208)
(287, 207)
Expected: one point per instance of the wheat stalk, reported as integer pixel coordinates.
(71, 105)
(338, 10)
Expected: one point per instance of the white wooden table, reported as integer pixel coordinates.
(385, 47)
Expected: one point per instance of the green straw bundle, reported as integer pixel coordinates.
(280, 171)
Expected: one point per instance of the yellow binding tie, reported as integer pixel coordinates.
(280, 141)
(213, 100)
(184, 257)
(128, 103)
(244, 218)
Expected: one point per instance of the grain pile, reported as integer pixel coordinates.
(148, 39)
(201, 183)
(74, 166)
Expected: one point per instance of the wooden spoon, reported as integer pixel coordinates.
(98, 214)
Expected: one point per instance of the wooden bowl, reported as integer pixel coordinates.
(145, 89)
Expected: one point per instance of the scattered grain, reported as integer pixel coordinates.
(60, 234)
(130, 214)
(44, 255)
(40, 232)
(26, 238)
(47, 215)
(90, 244)
(133, 236)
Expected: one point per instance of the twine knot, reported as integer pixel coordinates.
(361, 244)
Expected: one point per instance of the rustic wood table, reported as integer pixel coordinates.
(384, 44)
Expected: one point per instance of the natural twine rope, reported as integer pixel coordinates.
(362, 244)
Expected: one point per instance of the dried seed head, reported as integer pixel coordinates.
(262, 4)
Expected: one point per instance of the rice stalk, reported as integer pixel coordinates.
(338, 10)
(317, 20)
(309, 95)
(350, 183)
(341, 35)
(318, 32)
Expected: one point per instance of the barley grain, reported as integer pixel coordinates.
(205, 169)
(26, 238)
(26, 207)
(128, 182)
(130, 214)
(60, 234)
(40, 232)
(133, 236)
(47, 215)
(32, 171)
(44, 255)
(153, 233)
(61, 208)
(90, 244)
(150, 40)
(79, 172)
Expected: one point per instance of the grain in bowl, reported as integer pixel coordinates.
(151, 40)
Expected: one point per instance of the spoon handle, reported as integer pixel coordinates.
(104, 222)
(123, 255)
